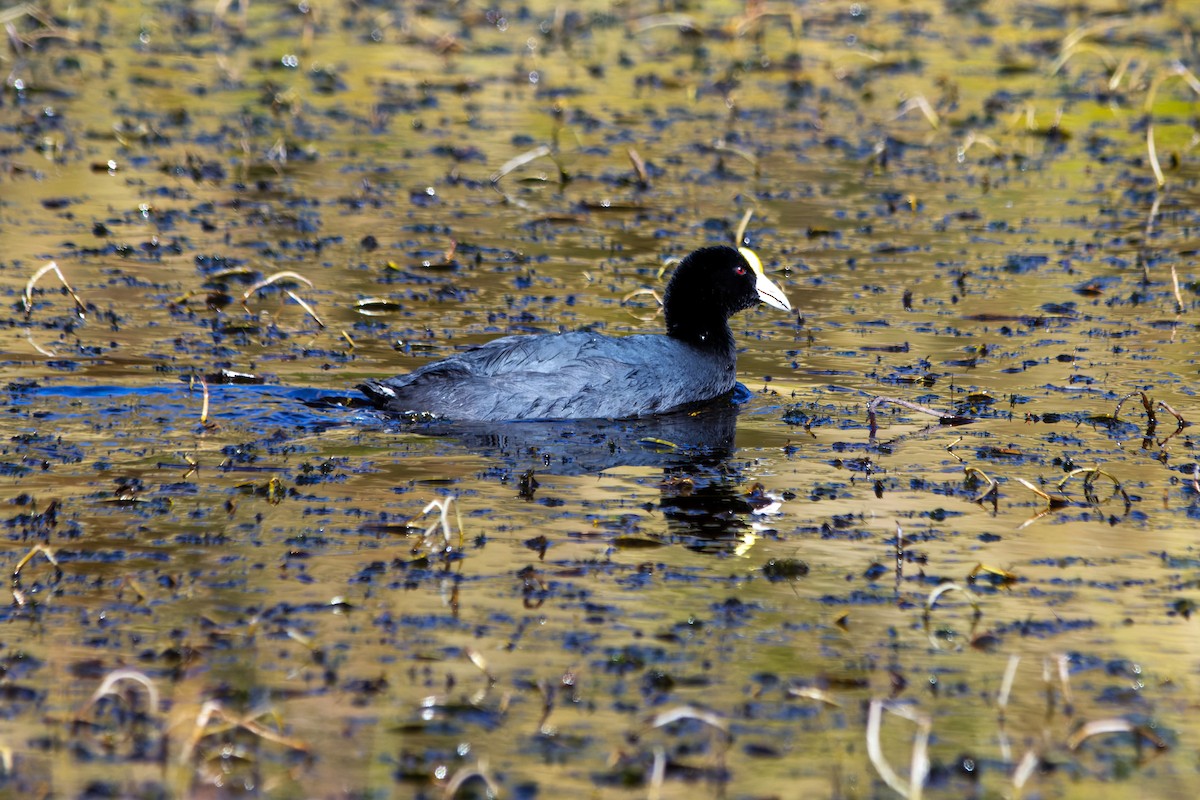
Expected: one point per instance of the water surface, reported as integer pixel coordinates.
(761, 573)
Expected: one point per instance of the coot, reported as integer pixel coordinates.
(588, 375)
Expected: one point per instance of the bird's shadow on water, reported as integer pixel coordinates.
(702, 496)
(701, 493)
(698, 437)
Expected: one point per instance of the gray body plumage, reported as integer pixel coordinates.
(564, 376)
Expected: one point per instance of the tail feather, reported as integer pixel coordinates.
(378, 393)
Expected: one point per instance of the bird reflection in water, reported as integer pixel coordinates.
(702, 494)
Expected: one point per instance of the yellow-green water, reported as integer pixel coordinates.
(1007, 257)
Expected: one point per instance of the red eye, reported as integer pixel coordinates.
(739, 270)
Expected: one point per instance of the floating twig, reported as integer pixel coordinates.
(270, 279)
(721, 146)
(204, 405)
(1175, 70)
(919, 102)
(1147, 235)
(639, 293)
(1175, 287)
(950, 587)
(204, 401)
(739, 236)
(516, 162)
(639, 166)
(972, 138)
(658, 772)
(709, 718)
(1052, 503)
(19, 596)
(286, 275)
(307, 308)
(1154, 165)
(1103, 25)
(476, 658)
(1090, 474)
(50, 266)
(1147, 404)
(1062, 663)
(813, 693)
(1004, 576)
(9, 16)
(548, 693)
(519, 161)
(44, 351)
(644, 317)
(1006, 684)
(1029, 113)
(37, 548)
(464, 774)
(1110, 61)
(1025, 768)
(942, 418)
(1178, 417)
(757, 12)
(680, 21)
(441, 523)
(932, 600)
(117, 676)
(991, 487)
(1118, 74)
(919, 765)
(678, 713)
(212, 711)
(1152, 408)
(1115, 725)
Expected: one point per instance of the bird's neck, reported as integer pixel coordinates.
(716, 337)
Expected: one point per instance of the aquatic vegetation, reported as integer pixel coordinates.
(942, 546)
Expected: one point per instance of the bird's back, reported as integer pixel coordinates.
(564, 376)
